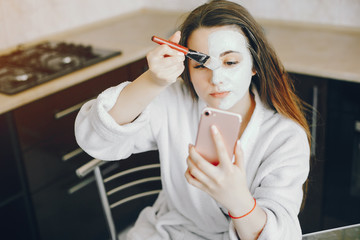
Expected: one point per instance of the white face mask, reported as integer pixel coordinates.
(230, 45)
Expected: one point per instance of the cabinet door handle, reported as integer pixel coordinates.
(69, 110)
(314, 120)
(72, 154)
(357, 126)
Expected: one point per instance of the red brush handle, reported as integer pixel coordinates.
(170, 44)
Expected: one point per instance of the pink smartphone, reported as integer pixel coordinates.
(228, 125)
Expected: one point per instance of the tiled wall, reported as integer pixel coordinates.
(25, 20)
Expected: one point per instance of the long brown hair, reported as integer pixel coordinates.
(271, 80)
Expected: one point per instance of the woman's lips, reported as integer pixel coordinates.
(219, 94)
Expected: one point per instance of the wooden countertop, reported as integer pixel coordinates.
(329, 52)
(325, 52)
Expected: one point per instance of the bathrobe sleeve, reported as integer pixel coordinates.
(98, 134)
(280, 178)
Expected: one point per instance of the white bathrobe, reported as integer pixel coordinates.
(276, 156)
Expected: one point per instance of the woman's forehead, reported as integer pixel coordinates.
(226, 40)
(224, 36)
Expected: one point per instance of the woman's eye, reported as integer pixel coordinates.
(231, 63)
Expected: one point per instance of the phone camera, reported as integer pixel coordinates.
(207, 113)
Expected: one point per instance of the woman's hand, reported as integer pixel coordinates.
(226, 182)
(166, 64)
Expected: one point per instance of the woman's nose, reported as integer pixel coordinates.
(216, 77)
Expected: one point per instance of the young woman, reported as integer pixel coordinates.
(256, 196)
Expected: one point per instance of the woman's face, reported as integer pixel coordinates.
(226, 85)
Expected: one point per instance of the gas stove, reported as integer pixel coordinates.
(28, 67)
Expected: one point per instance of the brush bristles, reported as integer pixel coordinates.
(197, 56)
(212, 63)
(202, 58)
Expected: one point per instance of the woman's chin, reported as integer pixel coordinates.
(220, 105)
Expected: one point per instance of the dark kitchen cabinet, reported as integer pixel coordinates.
(334, 180)
(39, 156)
(313, 91)
(15, 221)
(16, 218)
(68, 210)
(342, 170)
(46, 129)
(8, 163)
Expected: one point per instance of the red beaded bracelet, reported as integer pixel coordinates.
(244, 214)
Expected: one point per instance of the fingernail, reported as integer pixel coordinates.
(190, 145)
(214, 129)
(180, 53)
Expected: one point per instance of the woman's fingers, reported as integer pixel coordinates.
(197, 162)
(239, 156)
(194, 171)
(193, 181)
(224, 158)
(164, 52)
(194, 175)
(165, 64)
(175, 37)
(200, 168)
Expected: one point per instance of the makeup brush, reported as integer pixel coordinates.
(199, 57)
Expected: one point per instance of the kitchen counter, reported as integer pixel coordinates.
(321, 51)
(351, 232)
(313, 50)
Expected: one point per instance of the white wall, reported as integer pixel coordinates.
(185, 5)
(25, 20)
(329, 12)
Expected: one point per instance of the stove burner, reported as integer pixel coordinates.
(17, 78)
(57, 62)
(25, 68)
